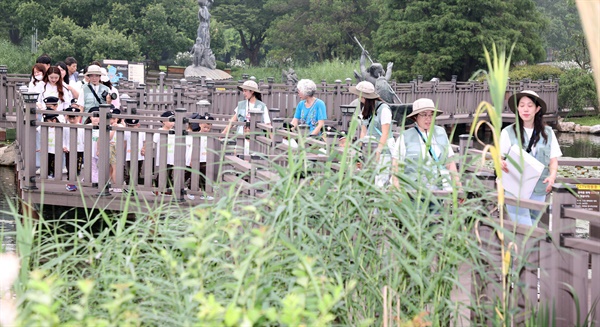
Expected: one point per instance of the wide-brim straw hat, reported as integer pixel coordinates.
(365, 89)
(94, 70)
(421, 105)
(249, 85)
(513, 101)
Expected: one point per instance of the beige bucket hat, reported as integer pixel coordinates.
(365, 89)
(421, 105)
(514, 99)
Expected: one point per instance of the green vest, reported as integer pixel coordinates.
(542, 154)
(89, 100)
(374, 123)
(241, 109)
(416, 161)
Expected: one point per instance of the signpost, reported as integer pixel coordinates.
(589, 196)
(124, 70)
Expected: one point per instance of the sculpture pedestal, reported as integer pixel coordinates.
(199, 71)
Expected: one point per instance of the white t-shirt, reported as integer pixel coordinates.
(37, 88)
(67, 139)
(170, 148)
(52, 90)
(95, 136)
(51, 138)
(249, 106)
(113, 140)
(505, 145)
(141, 140)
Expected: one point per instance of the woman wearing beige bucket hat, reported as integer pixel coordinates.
(91, 93)
(376, 123)
(252, 101)
(427, 152)
(536, 138)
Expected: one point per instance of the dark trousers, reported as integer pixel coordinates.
(201, 181)
(79, 161)
(139, 180)
(169, 172)
(50, 164)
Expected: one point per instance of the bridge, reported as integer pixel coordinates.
(565, 259)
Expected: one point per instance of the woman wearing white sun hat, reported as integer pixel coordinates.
(427, 152)
(252, 101)
(376, 123)
(537, 139)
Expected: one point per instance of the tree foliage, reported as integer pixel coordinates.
(440, 38)
(322, 29)
(577, 91)
(564, 35)
(250, 19)
(97, 42)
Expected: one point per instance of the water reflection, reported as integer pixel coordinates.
(7, 195)
(578, 145)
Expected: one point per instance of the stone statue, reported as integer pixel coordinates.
(289, 75)
(203, 55)
(204, 62)
(378, 76)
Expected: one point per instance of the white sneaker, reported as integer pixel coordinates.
(117, 190)
(65, 170)
(206, 197)
(190, 196)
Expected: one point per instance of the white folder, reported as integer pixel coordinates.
(523, 173)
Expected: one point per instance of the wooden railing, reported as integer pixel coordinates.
(458, 100)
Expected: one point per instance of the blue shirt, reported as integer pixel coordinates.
(312, 115)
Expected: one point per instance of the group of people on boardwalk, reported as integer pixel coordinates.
(422, 151)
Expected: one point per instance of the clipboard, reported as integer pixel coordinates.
(524, 171)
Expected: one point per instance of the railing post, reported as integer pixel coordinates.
(255, 118)
(140, 93)
(556, 263)
(3, 90)
(337, 97)
(104, 151)
(161, 81)
(29, 145)
(213, 153)
(179, 154)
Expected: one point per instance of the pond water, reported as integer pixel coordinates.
(7, 195)
(579, 145)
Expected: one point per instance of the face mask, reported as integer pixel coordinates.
(39, 77)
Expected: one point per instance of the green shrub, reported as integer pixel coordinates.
(221, 65)
(18, 59)
(577, 90)
(534, 72)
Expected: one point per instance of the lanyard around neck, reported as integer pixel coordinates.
(431, 152)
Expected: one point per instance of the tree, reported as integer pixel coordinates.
(250, 19)
(564, 35)
(315, 36)
(440, 38)
(97, 42)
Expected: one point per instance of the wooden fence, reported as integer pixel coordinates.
(458, 100)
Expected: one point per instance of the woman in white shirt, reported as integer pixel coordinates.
(426, 150)
(37, 78)
(376, 123)
(536, 138)
(54, 87)
(252, 101)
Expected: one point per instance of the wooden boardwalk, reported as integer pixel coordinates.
(563, 258)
